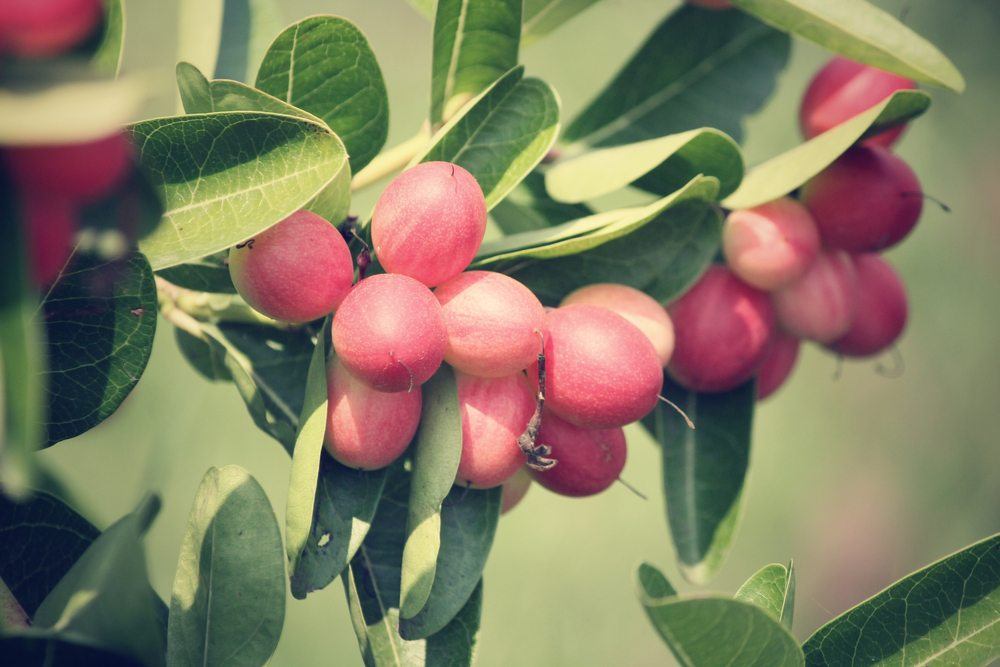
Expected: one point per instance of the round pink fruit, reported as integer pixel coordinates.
(778, 364)
(45, 28)
(85, 171)
(771, 245)
(49, 225)
(820, 305)
(589, 460)
(882, 309)
(514, 490)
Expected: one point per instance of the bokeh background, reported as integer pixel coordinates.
(858, 477)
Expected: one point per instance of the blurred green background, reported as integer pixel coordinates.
(859, 478)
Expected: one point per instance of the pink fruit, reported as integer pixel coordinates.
(820, 305)
(429, 222)
(44, 28)
(882, 309)
(601, 371)
(867, 200)
(778, 364)
(589, 460)
(842, 90)
(514, 490)
(637, 307)
(389, 332)
(84, 171)
(494, 323)
(495, 412)
(49, 224)
(771, 245)
(366, 428)
(723, 328)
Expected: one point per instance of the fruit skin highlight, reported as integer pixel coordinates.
(882, 309)
(295, 271)
(46, 28)
(85, 171)
(820, 305)
(429, 222)
(514, 490)
(389, 332)
(771, 245)
(365, 428)
(637, 307)
(724, 327)
(779, 362)
(494, 323)
(589, 460)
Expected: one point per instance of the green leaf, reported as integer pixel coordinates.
(436, 452)
(424, 7)
(228, 600)
(226, 176)
(862, 32)
(786, 172)
(226, 38)
(19, 650)
(100, 318)
(107, 55)
(772, 588)
(501, 136)
(652, 583)
(208, 274)
(543, 16)
(699, 68)
(946, 613)
(475, 43)
(660, 165)
(323, 65)
(703, 471)
(740, 633)
(529, 207)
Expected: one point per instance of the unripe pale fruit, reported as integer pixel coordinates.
(589, 460)
(724, 327)
(429, 222)
(842, 90)
(296, 271)
(84, 171)
(366, 428)
(868, 200)
(882, 309)
(778, 364)
(514, 490)
(45, 28)
(49, 226)
(771, 245)
(389, 332)
(494, 323)
(601, 371)
(820, 305)
(637, 307)
(495, 412)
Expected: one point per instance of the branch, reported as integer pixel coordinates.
(391, 161)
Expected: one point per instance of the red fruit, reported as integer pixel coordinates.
(85, 171)
(495, 412)
(778, 364)
(820, 305)
(43, 28)
(842, 90)
(867, 200)
(514, 490)
(723, 327)
(429, 222)
(771, 245)
(494, 323)
(389, 332)
(637, 307)
(589, 460)
(296, 271)
(601, 371)
(366, 428)
(49, 224)
(882, 309)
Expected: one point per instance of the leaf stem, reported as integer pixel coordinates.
(207, 307)
(390, 161)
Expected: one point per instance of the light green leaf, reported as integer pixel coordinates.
(772, 588)
(543, 16)
(786, 172)
(108, 53)
(424, 7)
(863, 32)
(228, 600)
(529, 207)
(948, 613)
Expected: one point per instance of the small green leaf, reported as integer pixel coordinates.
(194, 89)
(703, 471)
(946, 613)
(208, 274)
(772, 588)
(529, 207)
(652, 583)
(863, 32)
(107, 55)
(543, 16)
(228, 601)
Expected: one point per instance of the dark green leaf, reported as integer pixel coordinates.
(543, 16)
(107, 55)
(55, 652)
(529, 207)
(652, 583)
(208, 274)
(772, 588)
(208, 360)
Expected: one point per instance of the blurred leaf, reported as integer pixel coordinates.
(772, 588)
(529, 207)
(228, 601)
(323, 64)
(107, 55)
(206, 359)
(226, 176)
(501, 136)
(475, 43)
(946, 613)
(862, 32)
(699, 68)
(208, 274)
(703, 471)
(47, 651)
(543, 16)
(786, 172)
(425, 7)
(226, 38)
(199, 32)
(436, 451)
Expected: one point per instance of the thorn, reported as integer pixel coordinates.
(632, 488)
(930, 198)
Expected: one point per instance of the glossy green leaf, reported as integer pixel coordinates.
(107, 55)
(323, 65)
(772, 588)
(786, 172)
(226, 176)
(228, 601)
(699, 68)
(948, 613)
(863, 32)
(703, 471)
(529, 207)
(475, 43)
(436, 452)
(543, 16)
(208, 274)
(501, 136)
